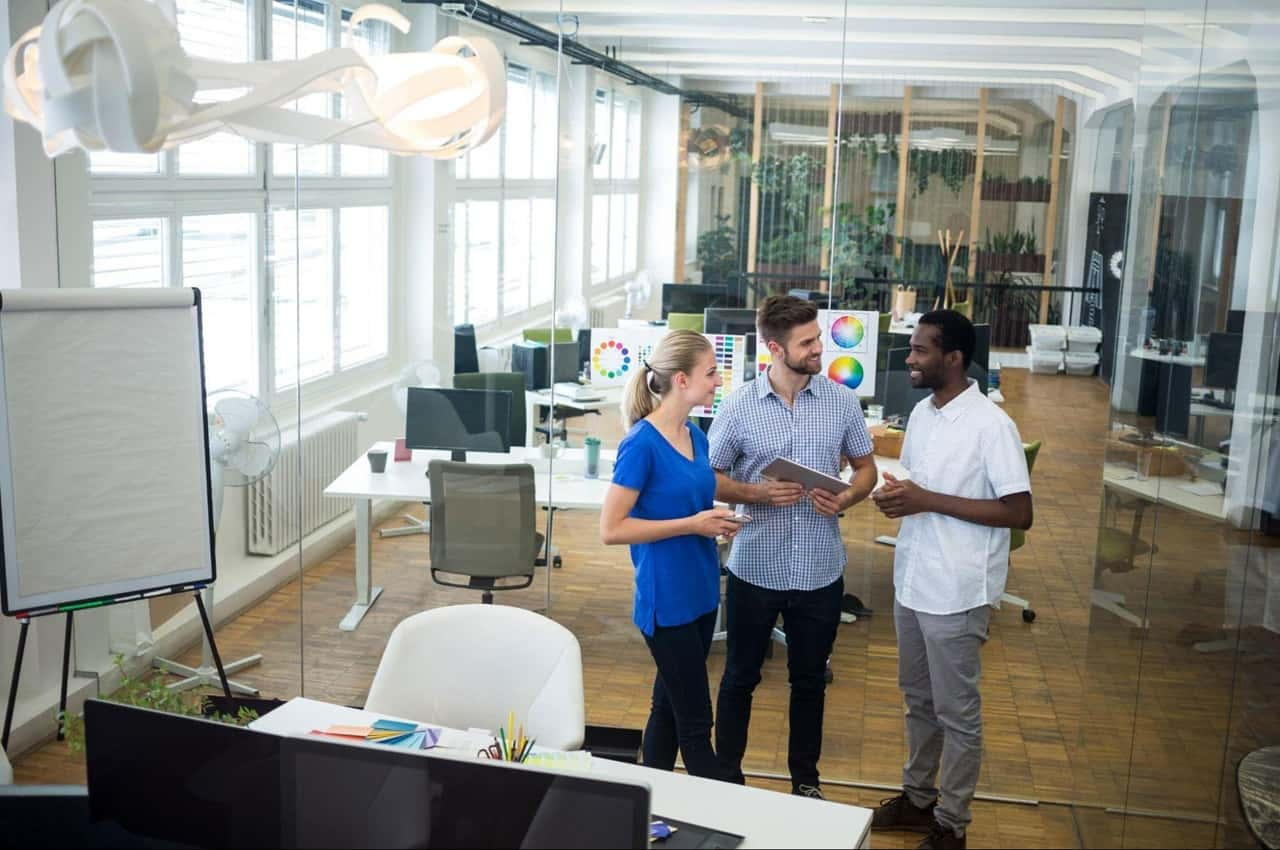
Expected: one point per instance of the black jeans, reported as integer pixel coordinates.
(810, 618)
(681, 711)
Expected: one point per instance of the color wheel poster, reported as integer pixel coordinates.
(617, 352)
(849, 340)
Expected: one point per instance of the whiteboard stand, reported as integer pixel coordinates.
(25, 624)
(206, 675)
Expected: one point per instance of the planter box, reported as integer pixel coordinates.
(1015, 192)
(989, 262)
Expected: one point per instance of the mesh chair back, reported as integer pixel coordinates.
(512, 382)
(483, 519)
(1018, 537)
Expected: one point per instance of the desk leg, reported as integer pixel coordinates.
(1114, 603)
(530, 411)
(366, 594)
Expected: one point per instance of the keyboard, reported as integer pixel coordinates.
(578, 392)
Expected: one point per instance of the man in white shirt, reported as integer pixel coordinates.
(968, 486)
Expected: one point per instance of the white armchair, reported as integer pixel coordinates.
(468, 666)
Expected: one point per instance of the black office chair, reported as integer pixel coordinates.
(512, 382)
(465, 356)
(483, 525)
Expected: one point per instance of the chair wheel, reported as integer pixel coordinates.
(556, 562)
(827, 675)
(1028, 616)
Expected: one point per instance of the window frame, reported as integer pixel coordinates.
(502, 189)
(171, 196)
(611, 185)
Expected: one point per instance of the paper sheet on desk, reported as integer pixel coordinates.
(1201, 488)
(456, 739)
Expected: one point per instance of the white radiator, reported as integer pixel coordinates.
(290, 500)
(597, 317)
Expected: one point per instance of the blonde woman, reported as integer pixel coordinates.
(660, 502)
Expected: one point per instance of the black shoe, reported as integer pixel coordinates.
(941, 838)
(900, 813)
(812, 791)
(850, 604)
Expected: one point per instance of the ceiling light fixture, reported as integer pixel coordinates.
(105, 75)
(814, 19)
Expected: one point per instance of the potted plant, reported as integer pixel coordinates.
(718, 252)
(153, 693)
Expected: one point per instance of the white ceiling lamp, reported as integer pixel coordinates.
(112, 75)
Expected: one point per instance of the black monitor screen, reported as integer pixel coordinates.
(1222, 362)
(458, 420)
(567, 366)
(353, 796)
(982, 346)
(182, 779)
(694, 298)
(1235, 321)
(729, 320)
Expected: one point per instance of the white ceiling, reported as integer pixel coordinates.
(1095, 51)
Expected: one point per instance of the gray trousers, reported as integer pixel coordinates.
(938, 668)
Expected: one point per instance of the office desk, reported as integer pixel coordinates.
(536, 400)
(1169, 359)
(1162, 491)
(764, 818)
(407, 481)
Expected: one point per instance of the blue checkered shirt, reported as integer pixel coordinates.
(794, 547)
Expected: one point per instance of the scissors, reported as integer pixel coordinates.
(493, 751)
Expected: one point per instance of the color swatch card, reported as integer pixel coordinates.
(616, 353)
(394, 733)
(731, 357)
(849, 344)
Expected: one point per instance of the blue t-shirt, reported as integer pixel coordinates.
(677, 579)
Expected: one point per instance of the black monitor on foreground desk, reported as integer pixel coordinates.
(182, 779)
(199, 783)
(458, 420)
(341, 795)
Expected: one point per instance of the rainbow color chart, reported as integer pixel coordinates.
(849, 350)
(731, 357)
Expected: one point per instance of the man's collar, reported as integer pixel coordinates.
(955, 408)
(765, 385)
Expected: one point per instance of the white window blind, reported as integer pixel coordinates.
(216, 29)
(363, 284)
(129, 252)
(218, 257)
(302, 294)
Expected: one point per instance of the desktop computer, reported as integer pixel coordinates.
(458, 420)
(695, 297)
(534, 360)
(1222, 363)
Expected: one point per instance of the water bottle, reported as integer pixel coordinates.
(592, 445)
(993, 375)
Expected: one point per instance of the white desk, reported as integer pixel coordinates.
(1163, 491)
(406, 481)
(764, 818)
(536, 400)
(1171, 359)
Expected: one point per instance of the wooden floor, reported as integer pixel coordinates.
(1069, 702)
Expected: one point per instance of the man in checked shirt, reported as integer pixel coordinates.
(789, 560)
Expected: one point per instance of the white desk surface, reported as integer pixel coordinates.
(765, 818)
(611, 397)
(407, 480)
(1175, 359)
(1163, 490)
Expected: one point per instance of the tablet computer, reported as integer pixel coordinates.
(785, 469)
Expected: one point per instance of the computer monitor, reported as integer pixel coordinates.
(1222, 362)
(566, 367)
(982, 347)
(900, 398)
(182, 779)
(458, 420)
(1235, 321)
(694, 297)
(339, 795)
(729, 320)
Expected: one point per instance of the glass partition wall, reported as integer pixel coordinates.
(336, 278)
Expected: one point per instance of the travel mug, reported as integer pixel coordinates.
(592, 445)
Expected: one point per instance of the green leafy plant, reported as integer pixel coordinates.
(717, 251)
(793, 182)
(861, 242)
(153, 693)
(952, 165)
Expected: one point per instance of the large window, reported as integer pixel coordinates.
(289, 294)
(615, 193)
(504, 213)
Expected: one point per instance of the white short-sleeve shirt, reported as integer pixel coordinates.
(969, 448)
